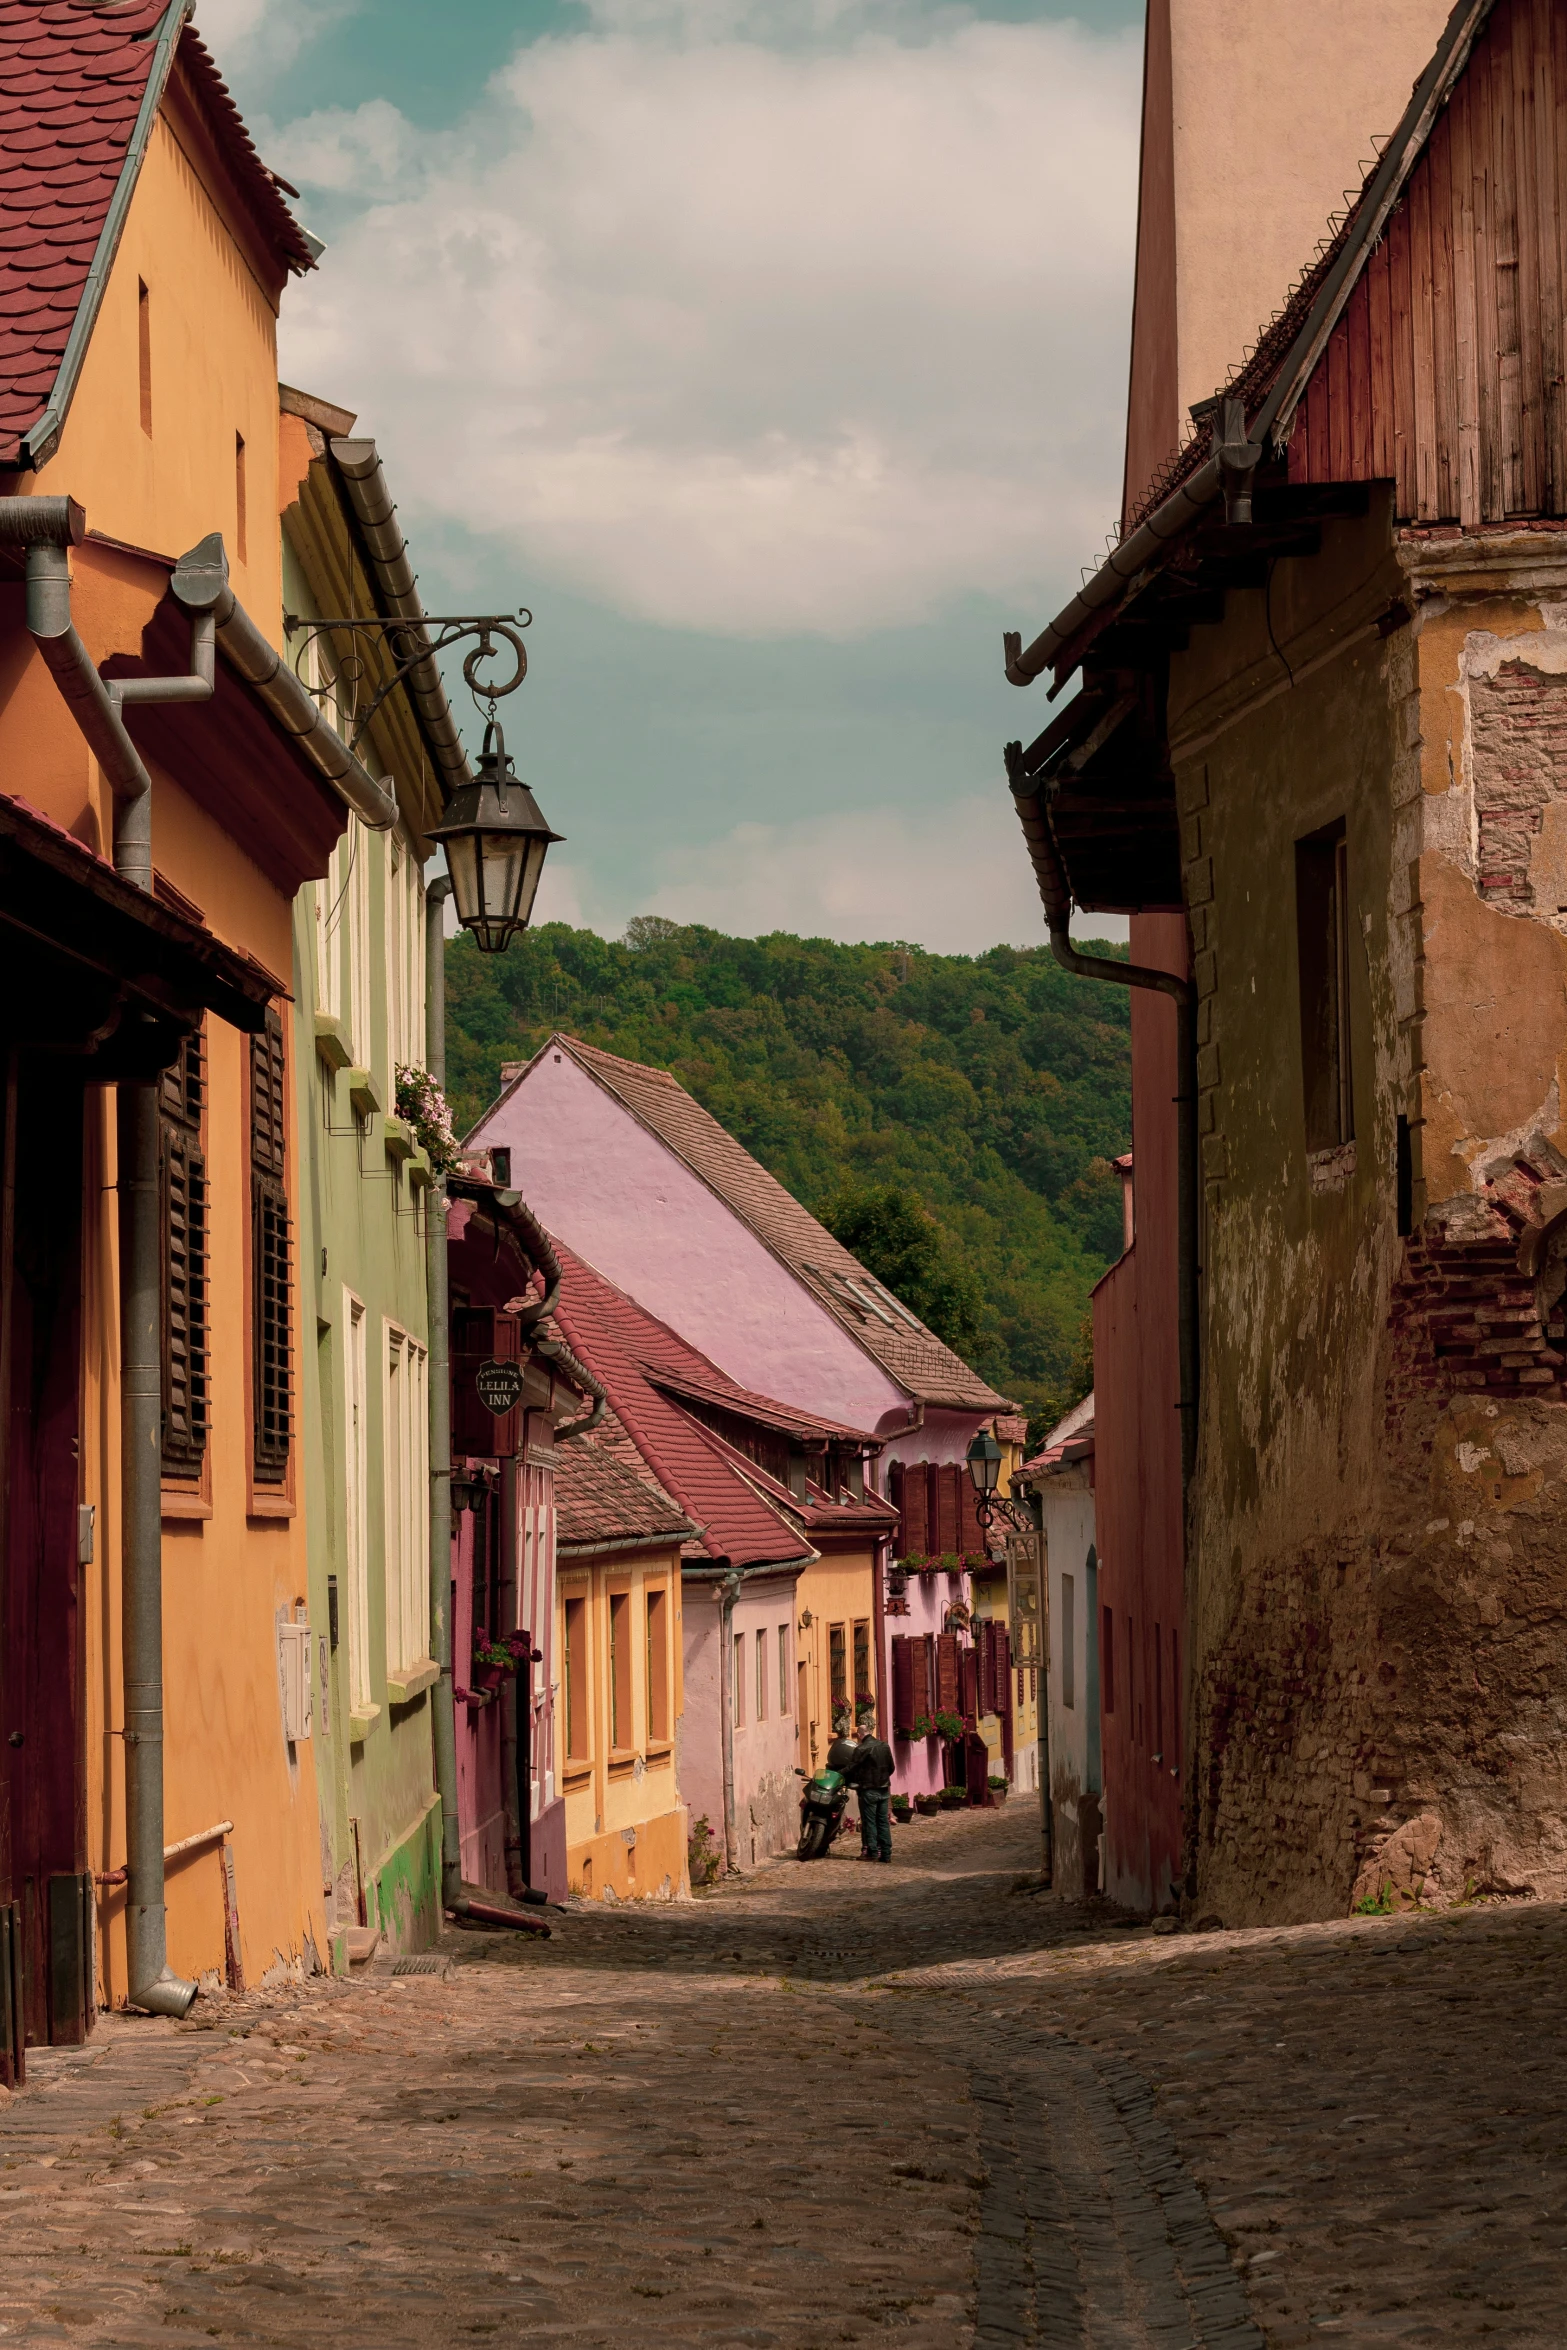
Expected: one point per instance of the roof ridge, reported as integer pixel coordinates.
(793, 1229)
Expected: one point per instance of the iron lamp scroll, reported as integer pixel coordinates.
(984, 1467)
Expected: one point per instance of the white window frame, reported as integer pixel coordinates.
(356, 1484)
(406, 1548)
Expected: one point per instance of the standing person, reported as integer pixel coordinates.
(870, 1775)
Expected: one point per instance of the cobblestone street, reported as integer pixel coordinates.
(827, 2105)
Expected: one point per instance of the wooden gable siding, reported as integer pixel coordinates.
(1445, 373)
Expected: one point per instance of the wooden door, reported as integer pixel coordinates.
(42, 1775)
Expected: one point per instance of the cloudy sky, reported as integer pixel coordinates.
(773, 352)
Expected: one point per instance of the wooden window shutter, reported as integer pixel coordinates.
(271, 1297)
(971, 1537)
(926, 1676)
(947, 1694)
(948, 1536)
(904, 1708)
(182, 1184)
(970, 1673)
(985, 1669)
(915, 1531)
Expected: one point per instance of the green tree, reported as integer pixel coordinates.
(894, 1238)
(990, 1092)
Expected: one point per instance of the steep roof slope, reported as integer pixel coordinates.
(601, 1499)
(615, 1338)
(881, 1324)
(79, 85)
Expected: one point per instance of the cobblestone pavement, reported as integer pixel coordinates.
(834, 2104)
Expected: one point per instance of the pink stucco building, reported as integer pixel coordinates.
(620, 1162)
(785, 1533)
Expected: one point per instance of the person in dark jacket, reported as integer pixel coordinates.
(870, 1775)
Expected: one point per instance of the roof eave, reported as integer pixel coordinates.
(1057, 646)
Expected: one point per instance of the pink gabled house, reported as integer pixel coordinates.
(780, 1522)
(620, 1162)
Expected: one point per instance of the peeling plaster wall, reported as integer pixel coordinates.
(1377, 1581)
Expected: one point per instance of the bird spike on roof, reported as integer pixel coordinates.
(894, 1337)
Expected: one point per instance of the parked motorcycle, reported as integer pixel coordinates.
(823, 1801)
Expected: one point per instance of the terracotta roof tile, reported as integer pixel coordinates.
(913, 1355)
(600, 1497)
(72, 78)
(615, 1339)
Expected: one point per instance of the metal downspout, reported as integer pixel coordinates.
(511, 1693)
(726, 1708)
(1056, 896)
(445, 1721)
(48, 528)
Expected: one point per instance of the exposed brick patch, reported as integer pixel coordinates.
(1519, 723)
(1464, 1319)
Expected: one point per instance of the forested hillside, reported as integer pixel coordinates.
(952, 1119)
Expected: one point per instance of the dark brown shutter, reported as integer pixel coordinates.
(271, 1297)
(904, 1708)
(971, 1538)
(481, 1334)
(947, 1695)
(925, 1678)
(947, 1539)
(969, 1668)
(182, 1182)
(916, 1532)
(985, 1669)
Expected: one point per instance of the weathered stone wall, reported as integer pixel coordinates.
(1379, 1567)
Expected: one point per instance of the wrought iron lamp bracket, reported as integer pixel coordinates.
(406, 644)
(989, 1507)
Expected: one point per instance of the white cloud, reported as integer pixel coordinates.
(741, 339)
(954, 881)
(266, 35)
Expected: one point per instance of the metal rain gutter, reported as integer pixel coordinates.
(42, 438)
(374, 510)
(1126, 563)
(200, 582)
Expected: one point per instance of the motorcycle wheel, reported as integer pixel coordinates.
(813, 1839)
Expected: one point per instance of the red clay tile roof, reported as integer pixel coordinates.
(600, 1498)
(1071, 1439)
(884, 1327)
(614, 1337)
(72, 78)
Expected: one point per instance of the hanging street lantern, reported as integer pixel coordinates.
(495, 841)
(984, 1463)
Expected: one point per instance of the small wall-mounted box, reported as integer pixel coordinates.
(294, 1679)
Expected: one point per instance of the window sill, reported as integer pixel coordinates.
(398, 1138)
(660, 1754)
(364, 1093)
(413, 1681)
(419, 1170)
(265, 1504)
(359, 1721)
(332, 1041)
(181, 1502)
(576, 1774)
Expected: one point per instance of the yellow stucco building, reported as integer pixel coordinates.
(620, 1700)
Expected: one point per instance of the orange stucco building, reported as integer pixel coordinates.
(141, 384)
